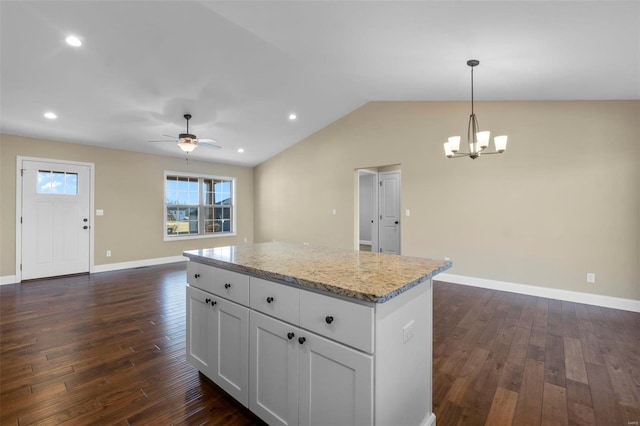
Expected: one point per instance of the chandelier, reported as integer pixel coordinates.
(478, 141)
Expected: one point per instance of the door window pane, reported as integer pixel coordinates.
(52, 182)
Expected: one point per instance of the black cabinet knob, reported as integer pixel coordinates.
(85, 220)
(269, 299)
(301, 340)
(227, 286)
(196, 276)
(85, 227)
(214, 303)
(329, 319)
(396, 222)
(290, 335)
(207, 301)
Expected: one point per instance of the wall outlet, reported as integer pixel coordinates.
(407, 331)
(108, 253)
(591, 277)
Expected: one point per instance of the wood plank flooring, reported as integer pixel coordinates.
(109, 349)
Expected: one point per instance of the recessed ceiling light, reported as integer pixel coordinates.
(240, 149)
(292, 116)
(73, 41)
(50, 115)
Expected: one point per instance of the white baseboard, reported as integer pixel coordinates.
(550, 293)
(9, 279)
(365, 242)
(12, 279)
(137, 264)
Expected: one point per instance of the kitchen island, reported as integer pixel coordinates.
(314, 335)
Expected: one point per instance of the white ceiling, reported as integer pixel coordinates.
(240, 68)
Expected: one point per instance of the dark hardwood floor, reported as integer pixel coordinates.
(109, 348)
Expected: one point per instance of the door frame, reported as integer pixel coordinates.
(18, 227)
(374, 228)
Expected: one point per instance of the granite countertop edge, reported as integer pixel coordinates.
(305, 283)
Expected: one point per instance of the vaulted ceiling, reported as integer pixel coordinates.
(242, 67)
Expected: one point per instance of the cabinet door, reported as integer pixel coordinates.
(336, 384)
(199, 329)
(274, 370)
(230, 338)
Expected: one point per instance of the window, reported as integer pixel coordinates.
(198, 206)
(50, 182)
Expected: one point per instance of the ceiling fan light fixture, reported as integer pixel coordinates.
(187, 142)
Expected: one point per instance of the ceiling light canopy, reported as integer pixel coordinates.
(478, 140)
(73, 41)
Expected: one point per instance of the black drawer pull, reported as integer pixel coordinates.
(227, 286)
(301, 340)
(196, 276)
(290, 335)
(329, 319)
(207, 301)
(214, 303)
(269, 299)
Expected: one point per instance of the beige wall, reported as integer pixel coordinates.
(129, 188)
(563, 200)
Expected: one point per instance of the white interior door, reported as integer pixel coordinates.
(389, 210)
(55, 219)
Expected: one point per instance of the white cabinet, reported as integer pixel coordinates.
(218, 341)
(336, 384)
(298, 377)
(199, 329)
(273, 370)
(298, 357)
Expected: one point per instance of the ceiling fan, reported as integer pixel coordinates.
(188, 142)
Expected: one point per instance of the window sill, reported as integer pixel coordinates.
(198, 237)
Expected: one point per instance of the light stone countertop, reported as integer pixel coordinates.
(372, 277)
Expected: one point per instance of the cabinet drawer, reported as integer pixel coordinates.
(231, 285)
(200, 276)
(346, 322)
(277, 300)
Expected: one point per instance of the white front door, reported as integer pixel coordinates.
(389, 210)
(55, 219)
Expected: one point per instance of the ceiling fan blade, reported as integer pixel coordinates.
(163, 141)
(208, 145)
(172, 137)
(206, 140)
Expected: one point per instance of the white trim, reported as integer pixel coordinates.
(137, 263)
(92, 187)
(550, 293)
(8, 279)
(365, 242)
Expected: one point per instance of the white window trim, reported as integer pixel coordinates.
(197, 237)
